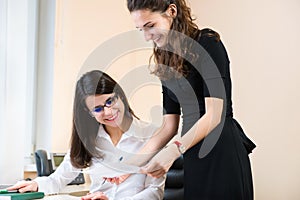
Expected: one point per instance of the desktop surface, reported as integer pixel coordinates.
(70, 192)
(4, 186)
(61, 197)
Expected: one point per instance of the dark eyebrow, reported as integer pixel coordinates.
(109, 98)
(99, 106)
(145, 24)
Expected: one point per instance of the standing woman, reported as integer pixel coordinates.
(190, 85)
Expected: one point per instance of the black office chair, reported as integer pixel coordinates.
(45, 167)
(174, 183)
(43, 164)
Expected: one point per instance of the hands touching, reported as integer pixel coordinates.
(162, 161)
(157, 166)
(24, 186)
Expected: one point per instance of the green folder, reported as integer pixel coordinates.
(22, 196)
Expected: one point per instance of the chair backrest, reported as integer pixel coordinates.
(43, 164)
(46, 166)
(174, 183)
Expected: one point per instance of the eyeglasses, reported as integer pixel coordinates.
(108, 103)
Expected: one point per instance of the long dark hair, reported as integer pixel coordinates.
(183, 23)
(85, 127)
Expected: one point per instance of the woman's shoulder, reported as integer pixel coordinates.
(210, 40)
(209, 32)
(207, 36)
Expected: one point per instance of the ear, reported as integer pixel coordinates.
(172, 10)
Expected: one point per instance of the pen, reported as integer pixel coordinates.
(103, 181)
(8, 191)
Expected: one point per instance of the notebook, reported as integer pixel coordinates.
(21, 196)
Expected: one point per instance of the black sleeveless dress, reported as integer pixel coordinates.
(222, 172)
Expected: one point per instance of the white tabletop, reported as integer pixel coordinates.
(71, 192)
(61, 197)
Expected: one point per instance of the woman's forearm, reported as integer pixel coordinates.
(205, 124)
(163, 135)
(158, 140)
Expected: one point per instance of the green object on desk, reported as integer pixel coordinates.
(22, 196)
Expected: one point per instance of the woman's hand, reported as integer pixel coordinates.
(162, 161)
(96, 195)
(24, 186)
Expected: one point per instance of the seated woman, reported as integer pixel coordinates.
(104, 129)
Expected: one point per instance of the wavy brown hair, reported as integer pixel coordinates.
(167, 61)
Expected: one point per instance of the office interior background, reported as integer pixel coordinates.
(46, 43)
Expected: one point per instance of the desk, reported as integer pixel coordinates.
(61, 197)
(77, 190)
(30, 171)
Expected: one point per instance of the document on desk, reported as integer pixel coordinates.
(112, 169)
(61, 197)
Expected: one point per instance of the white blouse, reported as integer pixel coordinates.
(136, 187)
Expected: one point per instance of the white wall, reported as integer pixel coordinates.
(45, 74)
(17, 68)
(262, 39)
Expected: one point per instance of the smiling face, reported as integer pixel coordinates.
(155, 25)
(113, 109)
